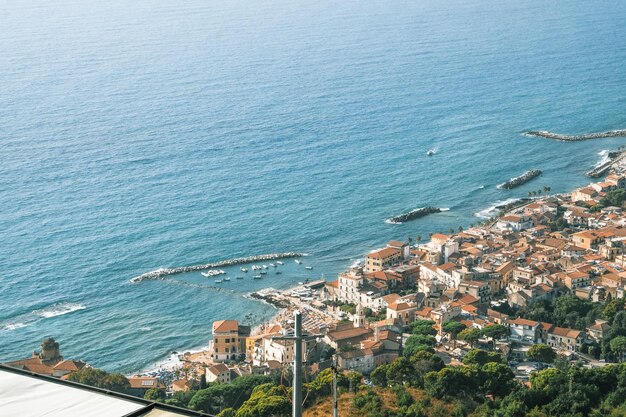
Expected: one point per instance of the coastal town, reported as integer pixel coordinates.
(482, 279)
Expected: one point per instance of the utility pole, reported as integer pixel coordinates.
(297, 362)
(297, 365)
(334, 368)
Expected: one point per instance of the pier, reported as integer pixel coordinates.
(576, 138)
(413, 214)
(163, 272)
(522, 179)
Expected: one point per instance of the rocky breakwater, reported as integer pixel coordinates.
(414, 214)
(522, 179)
(164, 272)
(576, 138)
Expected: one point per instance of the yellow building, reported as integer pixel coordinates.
(229, 340)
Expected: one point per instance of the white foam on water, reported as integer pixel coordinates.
(53, 310)
(492, 211)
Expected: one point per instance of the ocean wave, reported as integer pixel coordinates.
(493, 210)
(54, 310)
(604, 154)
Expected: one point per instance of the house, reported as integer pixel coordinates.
(229, 340)
(140, 384)
(360, 360)
(576, 279)
(351, 336)
(563, 338)
(402, 311)
(382, 259)
(584, 194)
(523, 330)
(218, 373)
(514, 222)
(598, 330)
(349, 284)
(477, 289)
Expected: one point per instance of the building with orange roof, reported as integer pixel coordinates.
(382, 259)
(229, 340)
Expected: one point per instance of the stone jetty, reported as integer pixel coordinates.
(522, 179)
(414, 214)
(164, 272)
(576, 138)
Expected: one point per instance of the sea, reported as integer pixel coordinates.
(140, 134)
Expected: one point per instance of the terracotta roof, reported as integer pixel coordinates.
(383, 253)
(565, 332)
(440, 236)
(217, 369)
(395, 243)
(224, 326)
(348, 333)
(32, 365)
(69, 365)
(524, 322)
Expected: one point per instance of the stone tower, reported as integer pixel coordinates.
(50, 353)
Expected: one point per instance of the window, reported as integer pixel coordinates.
(226, 350)
(215, 340)
(227, 341)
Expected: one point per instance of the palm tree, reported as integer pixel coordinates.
(530, 193)
(410, 240)
(418, 238)
(460, 229)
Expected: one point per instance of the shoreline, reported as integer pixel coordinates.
(285, 305)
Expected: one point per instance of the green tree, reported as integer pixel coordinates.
(470, 335)
(451, 380)
(497, 379)
(416, 343)
(379, 375)
(155, 394)
(541, 353)
(453, 328)
(495, 331)
(612, 307)
(227, 412)
(101, 379)
(423, 327)
(618, 346)
(480, 357)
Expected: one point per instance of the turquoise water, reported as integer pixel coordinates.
(137, 135)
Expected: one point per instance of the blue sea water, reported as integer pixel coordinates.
(138, 134)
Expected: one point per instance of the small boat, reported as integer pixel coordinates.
(298, 261)
(278, 272)
(300, 283)
(257, 277)
(254, 267)
(273, 265)
(308, 267)
(218, 281)
(206, 274)
(244, 270)
(280, 263)
(431, 152)
(227, 279)
(239, 277)
(263, 272)
(264, 266)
